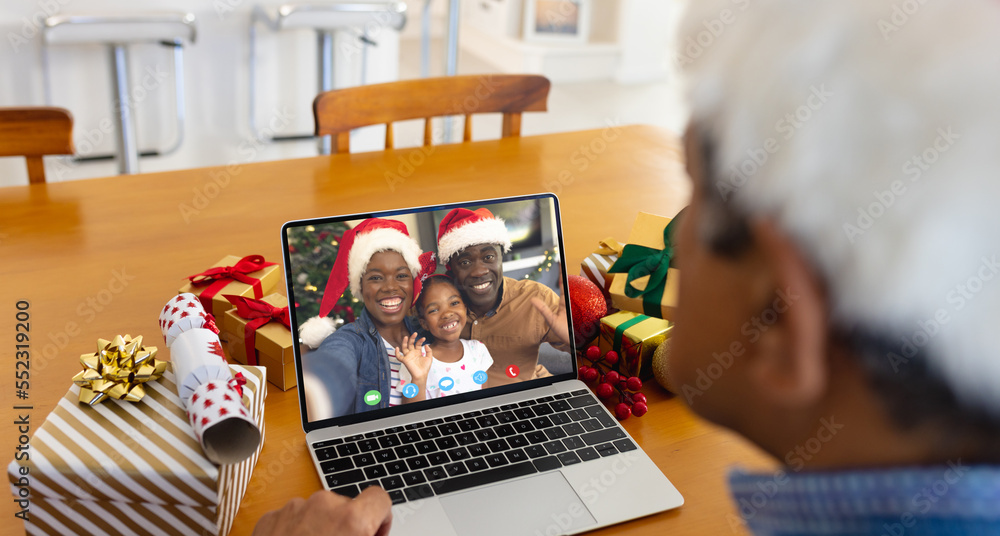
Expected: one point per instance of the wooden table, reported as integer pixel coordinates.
(98, 257)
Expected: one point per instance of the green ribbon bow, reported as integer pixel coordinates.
(641, 261)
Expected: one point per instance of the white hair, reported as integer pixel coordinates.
(870, 131)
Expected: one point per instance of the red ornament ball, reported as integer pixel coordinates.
(588, 306)
(605, 390)
(622, 411)
(611, 357)
(639, 409)
(633, 384)
(612, 377)
(593, 353)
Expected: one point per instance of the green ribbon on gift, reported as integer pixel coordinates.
(616, 343)
(641, 261)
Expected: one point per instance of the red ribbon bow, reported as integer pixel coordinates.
(218, 277)
(258, 313)
(238, 382)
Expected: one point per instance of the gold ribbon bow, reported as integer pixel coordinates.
(118, 370)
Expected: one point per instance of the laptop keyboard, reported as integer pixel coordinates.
(457, 452)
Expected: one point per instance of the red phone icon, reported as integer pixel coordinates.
(513, 371)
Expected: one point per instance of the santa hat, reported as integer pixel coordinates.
(462, 228)
(356, 248)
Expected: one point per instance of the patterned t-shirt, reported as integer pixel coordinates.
(395, 397)
(445, 379)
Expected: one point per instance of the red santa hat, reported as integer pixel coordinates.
(462, 228)
(355, 251)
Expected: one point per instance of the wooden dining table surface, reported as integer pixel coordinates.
(95, 258)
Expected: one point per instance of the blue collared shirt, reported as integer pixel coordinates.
(948, 499)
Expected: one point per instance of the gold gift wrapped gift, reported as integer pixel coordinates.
(250, 276)
(131, 467)
(650, 294)
(635, 338)
(272, 340)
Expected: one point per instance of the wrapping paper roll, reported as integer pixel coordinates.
(211, 396)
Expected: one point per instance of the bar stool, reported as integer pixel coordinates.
(325, 19)
(117, 32)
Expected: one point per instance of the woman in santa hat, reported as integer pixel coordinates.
(381, 264)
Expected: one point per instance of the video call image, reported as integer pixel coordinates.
(417, 306)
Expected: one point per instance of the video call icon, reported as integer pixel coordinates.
(373, 397)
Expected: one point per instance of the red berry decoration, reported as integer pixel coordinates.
(587, 306)
(593, 353)
(622, 411)
(633, 384)
(592, 375)
(605, 390)
(639, 409)
(611, 357)
(639, 397)
(612, 377)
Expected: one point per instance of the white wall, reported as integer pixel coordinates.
(216, 84)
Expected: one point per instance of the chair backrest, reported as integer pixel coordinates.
(339, 111)
(33, 132)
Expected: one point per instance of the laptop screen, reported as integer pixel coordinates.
(410, 309)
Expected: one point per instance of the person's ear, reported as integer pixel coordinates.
(789, 365)
(423, 323)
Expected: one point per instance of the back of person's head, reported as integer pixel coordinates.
(869, 132)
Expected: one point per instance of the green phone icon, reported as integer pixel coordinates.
(373, 397)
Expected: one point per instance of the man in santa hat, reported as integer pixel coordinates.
(841, 263)
(511, 317)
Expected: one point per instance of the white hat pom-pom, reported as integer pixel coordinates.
(314, 331)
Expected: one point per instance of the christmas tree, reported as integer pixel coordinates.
(312, 251)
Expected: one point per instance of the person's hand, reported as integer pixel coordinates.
(325, 512)
(557, 320)
(416, 357)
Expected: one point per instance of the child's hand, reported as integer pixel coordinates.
(416, 358)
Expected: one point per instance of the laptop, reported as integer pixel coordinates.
(507, 449)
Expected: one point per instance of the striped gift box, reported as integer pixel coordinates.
(124, 468)
(595, 266)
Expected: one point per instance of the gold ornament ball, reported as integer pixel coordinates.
(660, 370)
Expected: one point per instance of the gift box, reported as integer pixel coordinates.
(250, 276)
(635, 338)
(131, 468)
(595, 266)
(272, 340)
(643, 281)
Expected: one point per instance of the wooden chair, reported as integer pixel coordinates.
(339, 111)
(33, 132)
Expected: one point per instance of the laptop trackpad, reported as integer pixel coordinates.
(544, 503)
